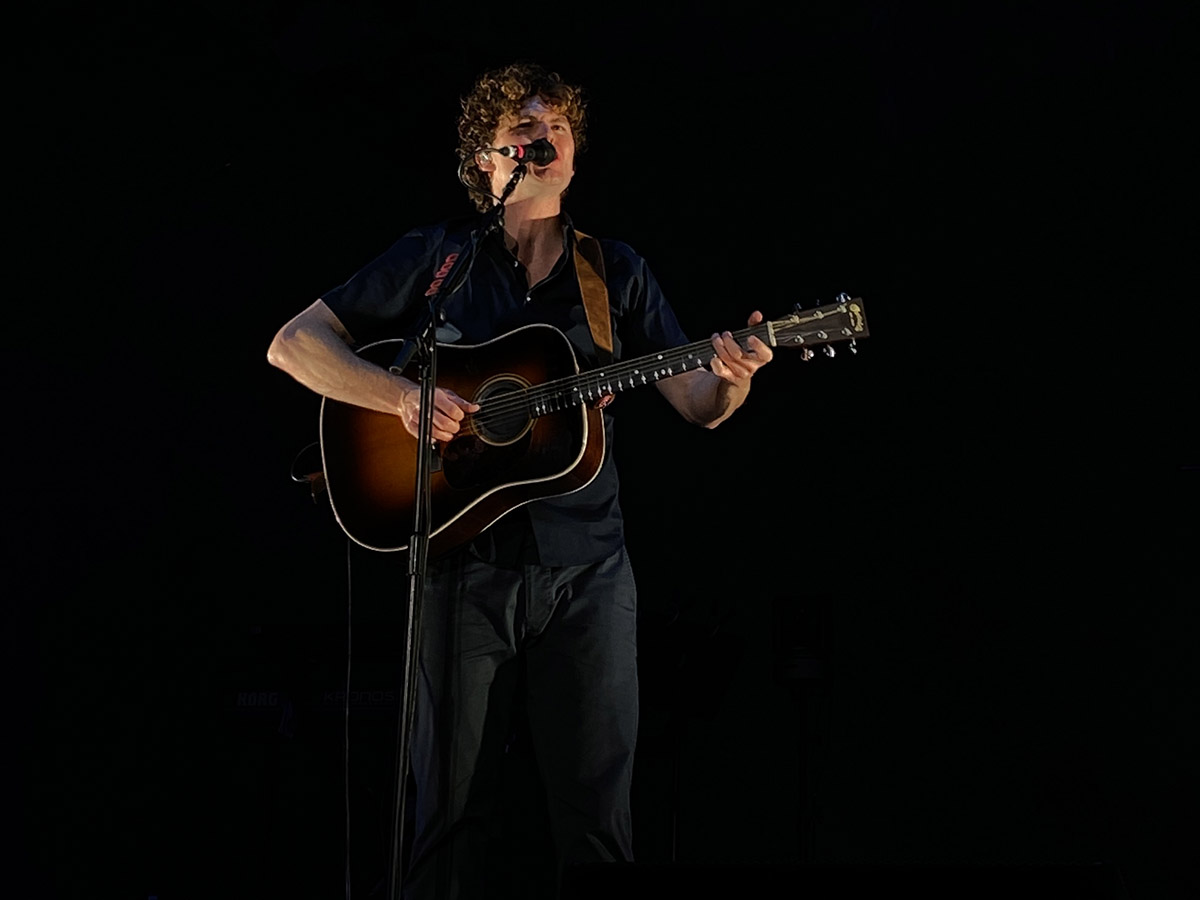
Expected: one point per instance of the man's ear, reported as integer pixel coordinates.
(483, 159)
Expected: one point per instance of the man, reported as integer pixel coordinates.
(548, 586)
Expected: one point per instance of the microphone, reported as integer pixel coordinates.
(541, 152)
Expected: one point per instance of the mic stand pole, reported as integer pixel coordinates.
(424, 347)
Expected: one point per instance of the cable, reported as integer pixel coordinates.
(462, 168)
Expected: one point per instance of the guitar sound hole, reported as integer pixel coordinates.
(504, 417)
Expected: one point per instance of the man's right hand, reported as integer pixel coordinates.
(449, 410)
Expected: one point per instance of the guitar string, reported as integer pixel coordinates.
(556, 395)
(563, 393)
(558, 391)
(597, 379)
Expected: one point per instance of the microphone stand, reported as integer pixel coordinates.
(424, 347)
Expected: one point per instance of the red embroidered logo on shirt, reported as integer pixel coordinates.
(440, 275)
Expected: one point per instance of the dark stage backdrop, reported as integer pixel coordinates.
(929, 605)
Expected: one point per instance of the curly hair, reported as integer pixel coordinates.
(503, 92)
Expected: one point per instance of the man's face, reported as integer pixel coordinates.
(535, 120)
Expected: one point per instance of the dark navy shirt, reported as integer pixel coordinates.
(386, 298)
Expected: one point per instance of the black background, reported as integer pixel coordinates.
(931, 604)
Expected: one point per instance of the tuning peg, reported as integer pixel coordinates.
(805, 354)
(853, 346)
(843, 297)
(829, 351)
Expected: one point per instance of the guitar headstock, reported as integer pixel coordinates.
(842, 320)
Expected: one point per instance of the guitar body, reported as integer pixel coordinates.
(504, 460)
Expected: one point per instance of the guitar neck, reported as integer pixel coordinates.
(628, 374)
(841, 321)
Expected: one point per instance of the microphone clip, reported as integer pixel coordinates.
(540, 152)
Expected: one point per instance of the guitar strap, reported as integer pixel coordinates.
(589, 269)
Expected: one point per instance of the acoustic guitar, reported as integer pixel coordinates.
(538, 432)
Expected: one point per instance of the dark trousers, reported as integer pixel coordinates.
(576, 628)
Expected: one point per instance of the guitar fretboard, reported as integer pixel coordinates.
(835, 322)
(625, 375)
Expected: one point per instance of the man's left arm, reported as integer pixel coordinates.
(708, 398)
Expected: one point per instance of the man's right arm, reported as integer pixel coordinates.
(314, 348)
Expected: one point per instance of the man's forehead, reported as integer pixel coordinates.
(537, 107)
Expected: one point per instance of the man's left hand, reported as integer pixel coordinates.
(737, 364)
